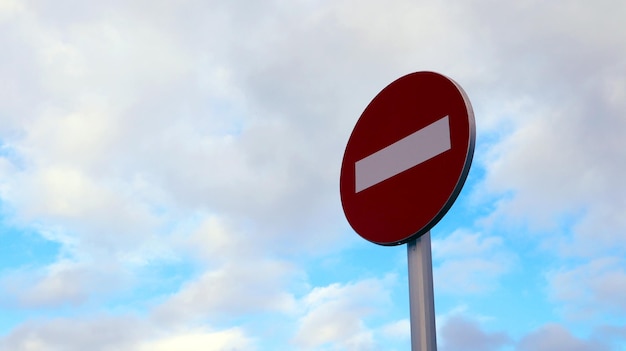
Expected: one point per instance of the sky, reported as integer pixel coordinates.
(169, 175)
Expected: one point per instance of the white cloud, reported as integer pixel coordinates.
(553, 337)
(201, 340)
(558, 161)
(161, 108)
(230, 290)
(460, 333)
(103, 333)
(611, 333)
(120, 333)
(8, 7)
(238, 276)
(469, 263)
(590, 290)
(335, 316)
(397, 330)
(463, 243)
(61, 283)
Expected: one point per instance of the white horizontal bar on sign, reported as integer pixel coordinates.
(402, 155)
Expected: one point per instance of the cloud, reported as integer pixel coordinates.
(122, 333)
(554, 337)
(335, 315)
(141, 129)
(463, 243)
(611, 333)
(231, 290)
(590, 290)
(460, 333)
(466, 262)
(61, 283)
(102, 333)
(166, 127)
(557, 163)
(397, 330)
(237, 276)
(201, 340)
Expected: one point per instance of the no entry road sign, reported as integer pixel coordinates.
(407, 158)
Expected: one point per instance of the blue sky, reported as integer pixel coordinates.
(169, 175)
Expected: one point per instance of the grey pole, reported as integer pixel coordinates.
(421, 295)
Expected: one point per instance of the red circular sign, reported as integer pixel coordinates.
(407, 158)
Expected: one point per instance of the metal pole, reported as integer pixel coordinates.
(421, 295)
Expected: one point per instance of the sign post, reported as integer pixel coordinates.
(421, 294)
(404, 166)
